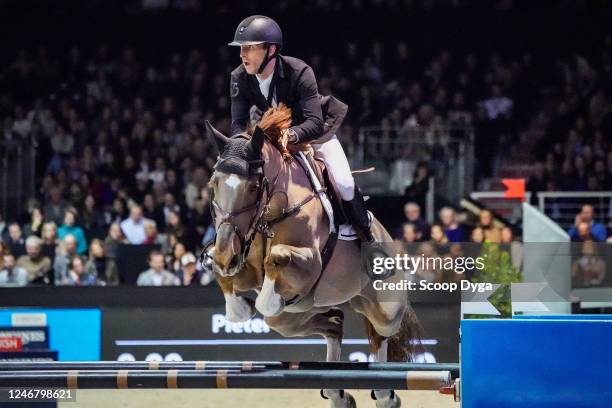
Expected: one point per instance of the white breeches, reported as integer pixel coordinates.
(338, 168)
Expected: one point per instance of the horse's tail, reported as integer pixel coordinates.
(406, 343)
(403, 345)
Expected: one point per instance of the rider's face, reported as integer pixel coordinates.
(252, 57)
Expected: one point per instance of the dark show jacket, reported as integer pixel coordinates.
(315, 118)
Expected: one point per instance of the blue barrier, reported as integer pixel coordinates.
(537, 361)
(565, 317)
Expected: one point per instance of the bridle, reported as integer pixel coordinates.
(262, 206)
(257, 223)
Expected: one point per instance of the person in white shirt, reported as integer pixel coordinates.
(134, 227)
(12, 275)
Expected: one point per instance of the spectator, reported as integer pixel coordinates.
(185, 234)
(409, 233)
(170, 206)
(78, 275)
(453, 231)
(133, 227)
(589, 269)
(157, 275)
(417, 191)
(412, 211)
(154, 237)
(49, 240)
(437, 235)
(427, 271)
(12, 275)
(69, 227)
(49, 233)
(34, 227)
(478, 236)
(486, 223)
(112, 240)
(92, 219)
(178, 251)
(15, 241)
(199, 215)
(514, 247)
(498, 105)
(61, 265)
(583, 233)
(101, 266)
(188, 273)
(597, 230)
(198, 181)
(152, 211)
(34, 262)
(3, 250)
(56, 206)
(537, 181)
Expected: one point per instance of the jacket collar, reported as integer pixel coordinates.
(280, 66)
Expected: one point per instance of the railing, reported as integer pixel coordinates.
(561, 206)
(17, 161)
(396, 152)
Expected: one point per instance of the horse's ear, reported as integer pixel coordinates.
(257, 141)
(218, 137)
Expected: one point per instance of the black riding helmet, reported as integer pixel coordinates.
(259, 29)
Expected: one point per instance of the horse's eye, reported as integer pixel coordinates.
(253, 187)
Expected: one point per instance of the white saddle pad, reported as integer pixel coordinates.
(347, 232)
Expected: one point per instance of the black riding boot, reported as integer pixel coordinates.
(357, 213)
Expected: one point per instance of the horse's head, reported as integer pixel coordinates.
(237, 185)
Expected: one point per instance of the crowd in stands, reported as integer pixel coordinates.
(455, 233)
(121, 159)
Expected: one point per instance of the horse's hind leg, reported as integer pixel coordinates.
(326, 323)
(384, 398)
(337, 398)
(385, 318)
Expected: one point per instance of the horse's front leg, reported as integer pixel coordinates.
(237, 308)
(290, 273)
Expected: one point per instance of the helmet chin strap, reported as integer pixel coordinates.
(266, 60)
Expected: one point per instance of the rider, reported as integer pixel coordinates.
(265, 79)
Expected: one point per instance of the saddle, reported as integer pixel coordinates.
(321, 183)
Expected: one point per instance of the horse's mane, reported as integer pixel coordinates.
(273, 122)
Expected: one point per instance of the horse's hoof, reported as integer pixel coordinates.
(344, 400)
(239, 309)
(389, 402)
(347, 402)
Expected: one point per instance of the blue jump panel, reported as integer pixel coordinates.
(545, 363)
(565, 317)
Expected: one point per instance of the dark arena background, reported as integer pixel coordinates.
(488, 126)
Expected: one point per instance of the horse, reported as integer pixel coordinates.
(271, 230)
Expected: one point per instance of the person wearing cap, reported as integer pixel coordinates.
(189, 274)
(265, 79)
